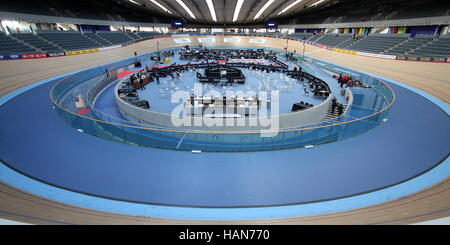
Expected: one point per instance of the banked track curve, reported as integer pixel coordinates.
(430, 203)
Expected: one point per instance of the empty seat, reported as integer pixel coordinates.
(69, 40)
(437, 48)
(133, 35)
(333, 39)
(38, 42)
(315, 37)
(376, 43)
(300, 35)
(10, 46)
(147, 35)
(409, 45)
(115, 37)
(96, 38)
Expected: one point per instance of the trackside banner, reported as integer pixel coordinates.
(180, 35)
(439, 59)
(33, 56)
(159, 37)
(231, 40)
(257, 40)
(424, 59)
(29, 56)
(56, 54)
(10, 57)
(207, 39)
(182, 40)
(314, 44)
(84, 51)
(344, 51)
(110, 47)
(392, 57)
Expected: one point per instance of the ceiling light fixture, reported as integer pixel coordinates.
(134, 2)
(211, 10)
(186, 9)
(316, 3)
(290, 6)
(237, 9)
(159, 5)
(263, 9)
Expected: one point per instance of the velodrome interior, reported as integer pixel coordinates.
(427, 203)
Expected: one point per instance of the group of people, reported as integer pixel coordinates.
(339, 106)
(349, 81)
(168, 54)
(291, 56)
(344, 79)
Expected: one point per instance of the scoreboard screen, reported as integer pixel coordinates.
(271, 24)
(178, 23)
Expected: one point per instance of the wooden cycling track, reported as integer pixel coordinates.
(427, 204)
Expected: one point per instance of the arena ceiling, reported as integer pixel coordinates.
(229, 11)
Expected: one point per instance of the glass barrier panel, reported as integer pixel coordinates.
(369, 108)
